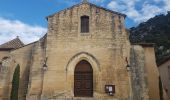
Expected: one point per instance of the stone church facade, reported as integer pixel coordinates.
(85, 55)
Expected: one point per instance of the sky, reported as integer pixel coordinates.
(27, 18)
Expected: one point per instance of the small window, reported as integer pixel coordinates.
(84, 24)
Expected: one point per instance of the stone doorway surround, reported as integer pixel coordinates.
(70, 68)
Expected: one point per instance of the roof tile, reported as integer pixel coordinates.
(13, 44)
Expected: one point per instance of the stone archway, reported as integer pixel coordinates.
(71, 65)
(83, 79)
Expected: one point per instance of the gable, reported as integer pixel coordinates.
(91, 5)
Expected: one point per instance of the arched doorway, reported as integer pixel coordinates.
(83, 79)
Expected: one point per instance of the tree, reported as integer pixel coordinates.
(15, 83)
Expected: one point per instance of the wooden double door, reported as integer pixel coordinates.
(83, 80)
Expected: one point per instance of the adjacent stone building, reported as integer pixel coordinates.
(85, 55)
(164, 70)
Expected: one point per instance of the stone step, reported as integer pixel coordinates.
(75, 98)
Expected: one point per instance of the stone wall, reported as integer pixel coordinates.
(144, 73)
(22, 57)
(139, 78)
(36, 70)
(105, 47)
(4, 54)
(152, 73)
(47, 66)
(7, 67)
(164, 74)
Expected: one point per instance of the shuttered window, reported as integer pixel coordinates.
(84, 24)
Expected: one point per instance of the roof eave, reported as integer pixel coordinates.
(6, 49)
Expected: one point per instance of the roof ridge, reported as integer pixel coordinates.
(107, 9)
(89, 4)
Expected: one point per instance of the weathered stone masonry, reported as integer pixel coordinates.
(48, 65)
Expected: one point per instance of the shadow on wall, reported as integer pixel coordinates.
(24, 81)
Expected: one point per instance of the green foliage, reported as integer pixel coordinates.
(155, 30)
(15, 84)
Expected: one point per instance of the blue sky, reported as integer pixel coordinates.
(26, 18)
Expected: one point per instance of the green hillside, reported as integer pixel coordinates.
(155, 30)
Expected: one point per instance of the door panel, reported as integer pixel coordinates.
(83, 80)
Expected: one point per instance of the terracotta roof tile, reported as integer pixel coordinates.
(13, 44)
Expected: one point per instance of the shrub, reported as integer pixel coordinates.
(15, 83)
